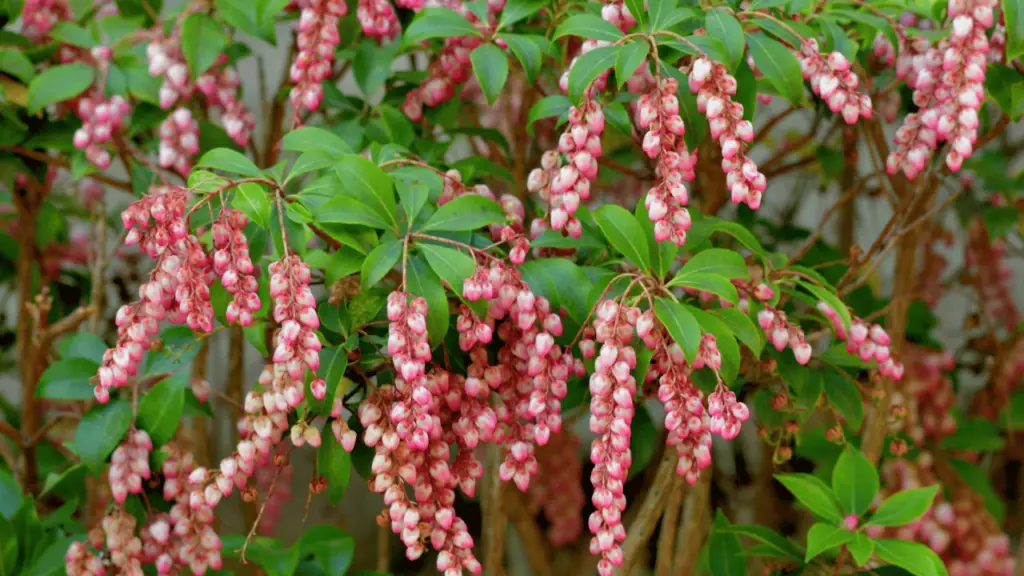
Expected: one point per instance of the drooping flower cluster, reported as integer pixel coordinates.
(612, 389)
(867, 342)
(101, 119)
(989, 273)
(927, 396)
(557, 489)
(658, 114)
(115, 537)
(960, 530)
(378, 19)
(563, 187)
(833, 81)
(232, 263)
(618, 14)
(38, 17)
(948, 90)
(318, 36)
(179, 141)
(782, 333)
(129, 465)
(715, 87)
(297, 347)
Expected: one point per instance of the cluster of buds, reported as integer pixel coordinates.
(658, 114)
(297, 345)
(80, 561)
(116, 533)
(557, 488)
(318, 37)
(38, 17)
(378, 19)
(715, 87)
(451, 69)
(759, 291)
(563, 187)
(220, 87)
(233, 265)
(612, 389)
(618, 13)
(686, 419)
(927, 398)
(407, 335)
(101, 119)
(989, 273)
(960, 530)
(166, 60)
(833, 81)
(948, 90)
(179, 141)
(129, 465)
(727, 414)
(782, 333)
(867, 342)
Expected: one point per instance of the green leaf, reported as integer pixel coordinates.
(725, 553)
(976, 435)
(781, 547)
(663, 254)
(743, 328)
(904, 507)
(861, 548)
(727, 346)
(161, 408)
(913, 557)
(413, 194)
(240, 15)
(714, 261)
(779, 66)
(722, 25)
(68, 380)
(11, 496)
(438, 23)
(526, 51)
(330, 545)
(829, 297)
(824, 537)
(588, 26)
(73, 34)
(333, 363)
(366, 183)
(343, 210)
(467, 212)
(334, 464)
(713, 48)
(589, 66)
(516, 10)
(681, 324)
(878, 23)
(15, 63)
(978, 480)
(101, 430)
(229, 161)
(379, 262)
(562, 282)
(253, 201)
(202, 42)
(8, 547)
(638, 9)
(854, 481)
(58, 84)
(83, 345)
(1013, 12)
(312, 139)
(371, 66)
(547, 107)
(845, 397)
(490, 65)
(449, 264)
(703, 228)
(422, 282)
(837, 40)
(630, 58)
(813, 494)
(624, 232)
(1001, 219)
(713, 283)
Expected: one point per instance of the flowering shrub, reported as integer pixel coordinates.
(516, 264)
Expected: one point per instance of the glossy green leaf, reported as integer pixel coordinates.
(681, 324)
(743, 328)
(824, 537)
(589, 66)
(813, 494)
(1013, 12)
(725, 553)
(58, 84)
(467, 212)
(547, 107)
(8, 547)
(421, 281)
(253, 201)
(413, 195)
(68, 380)
(630, 58)
(330, 546)
(438, 23)
(202, 42)
(829, 297)
(904, 507)
(854, 481)
(718, 262)
(516, 10)
(727, 346)
(334, 464)
(379, 262)
(624, 232)
(161, 408)
(720, 24)
(449, 264)
(845, 397)
(313, 139)
(588, 26)
(101, 430)
(913, 557)
(662, 254)
(228, 160)
(779, 544)
(779, 66)
(490, 65)
(366, 183)
(527, 51)
(861, 548)
(15, 63)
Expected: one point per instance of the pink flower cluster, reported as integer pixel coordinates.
(948, 90)
(129, 465)
(233, 265)
(378, 19)
(960, 530)
(991, 275)
(318, 36)
(101, 119)
(929, 396)
(781, 333)
(297, 347)
(612, 389)
(870, 343)
(407, 335)
(220, 87)
(618, 14)
(833, 81)
(557, 489)
(715, 87)
(563, 187)
(38, 17)
(179, 141)
(115, 538)
(658, 113)
(686, 419)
